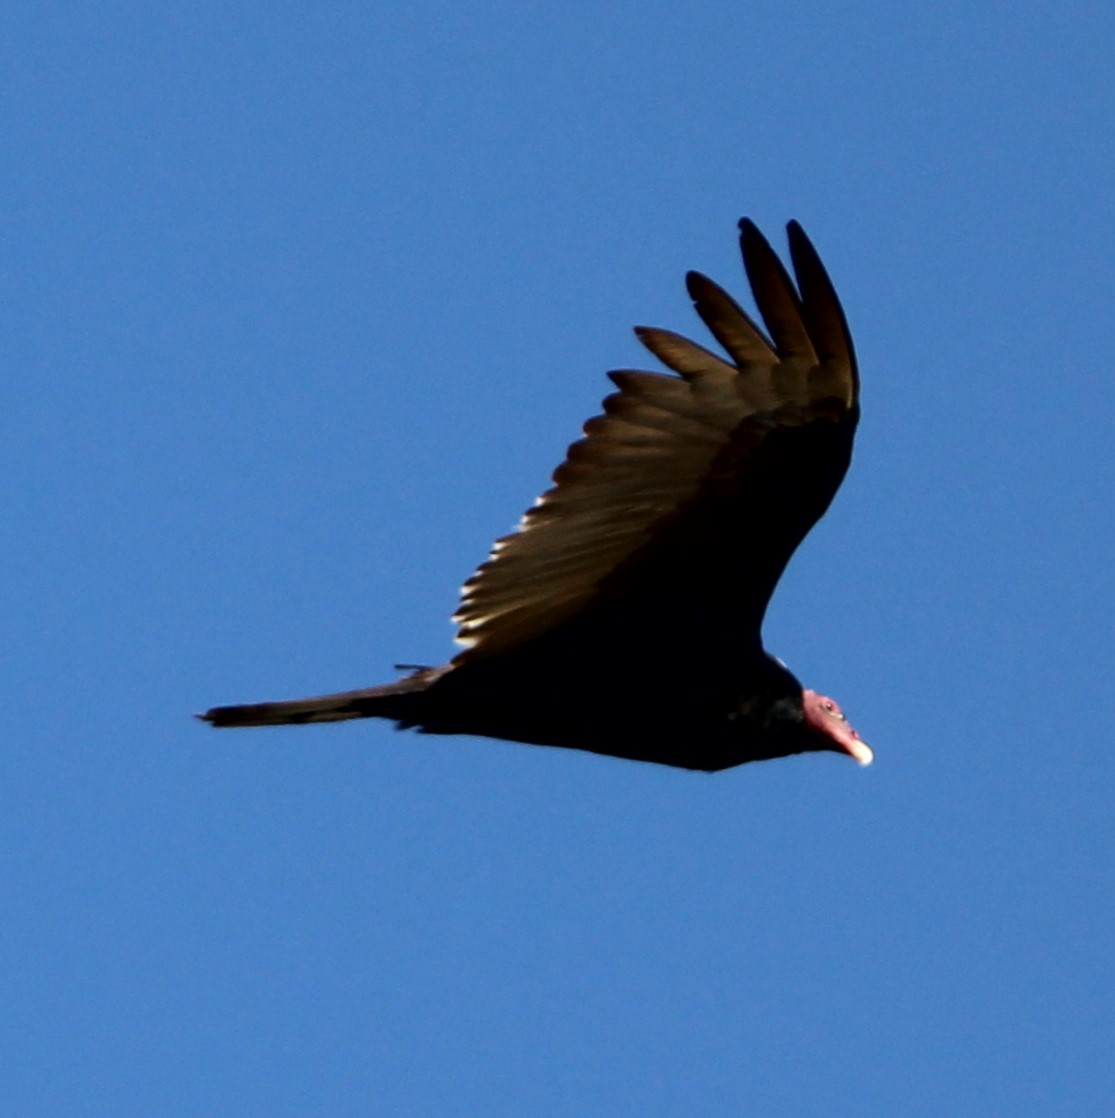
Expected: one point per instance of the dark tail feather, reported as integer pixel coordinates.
(393, 700)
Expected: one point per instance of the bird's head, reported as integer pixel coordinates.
(824, 718)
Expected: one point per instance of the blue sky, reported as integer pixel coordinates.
(302, 304)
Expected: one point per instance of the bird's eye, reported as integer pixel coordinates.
(830, 707)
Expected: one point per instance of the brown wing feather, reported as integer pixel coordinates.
(776, 297)
(698, 486)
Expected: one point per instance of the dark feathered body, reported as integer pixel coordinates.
(649, 717)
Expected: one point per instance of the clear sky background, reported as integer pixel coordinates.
(302, 303)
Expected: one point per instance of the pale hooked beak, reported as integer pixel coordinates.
(860, 751)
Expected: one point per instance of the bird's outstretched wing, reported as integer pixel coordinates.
(685, 500)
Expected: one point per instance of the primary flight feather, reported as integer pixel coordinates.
(623, 616)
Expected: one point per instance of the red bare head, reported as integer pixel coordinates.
(826, 719)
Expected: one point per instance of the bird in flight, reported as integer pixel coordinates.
(623, 616)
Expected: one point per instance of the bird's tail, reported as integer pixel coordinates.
(392, 700)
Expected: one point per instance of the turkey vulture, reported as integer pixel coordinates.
(623, 615)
